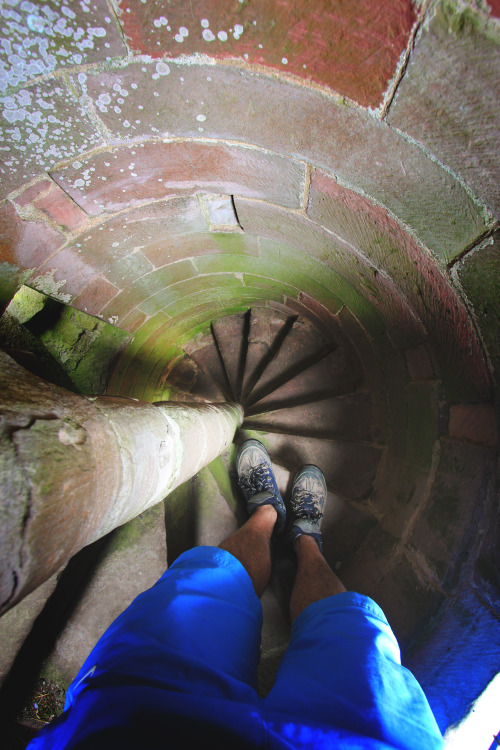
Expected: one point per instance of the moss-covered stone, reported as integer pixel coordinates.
(71, 348)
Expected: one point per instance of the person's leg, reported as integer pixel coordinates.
(314, 579)
(342, 668)
(251, 545)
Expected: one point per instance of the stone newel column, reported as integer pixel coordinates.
(73, 467)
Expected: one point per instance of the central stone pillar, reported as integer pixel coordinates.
(72, 467)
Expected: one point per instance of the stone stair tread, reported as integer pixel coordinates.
(231, 336)
(265, 327)
(133, 560)
(208, 360)
(302, 345)
(348, 417)
(349, 467)
(331, 375)
(187, 381)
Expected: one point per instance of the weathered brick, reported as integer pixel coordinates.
(328, 45)
(103, 246)
(448, 98)
(428, 291)
(25, 244)
(57, 34)
(194, 245)
(122, 178)
(133, 320)
(419, 363)
(41, 124)
(128, 269)
(375, 290)
(60, 208)
(447, 523)
(32, 192)
(142, 333)
(220, 284)
(95, 296)
(474, 422)
(479, 275)
(241, 106)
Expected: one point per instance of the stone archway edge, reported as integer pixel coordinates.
(72, 468)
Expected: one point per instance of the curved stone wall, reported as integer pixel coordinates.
(162, 170)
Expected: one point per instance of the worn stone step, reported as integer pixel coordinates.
(208, 359)
(190, 381)
(231, 336)
(55, 628)
(267, 329)
(349, 467)
(133, 561)
(348, 417)
(302, 345)
(331, 375)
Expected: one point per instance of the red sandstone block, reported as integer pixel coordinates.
(448, 98)
(60, 35)
(196, 245)
(29, 195)
(240, 105)
(125, 177)
(61, 209)
(95, 296)
(446, 526)
(62, 130)
(419, 364)
(104, 246)
(126, 270)
(328, 43)
(371, 295)
(120, 306)
(429, 293)
(25, 244)
(133, 320)
(67, 273)
(474, 422)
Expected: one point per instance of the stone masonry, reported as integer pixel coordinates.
(199, 174)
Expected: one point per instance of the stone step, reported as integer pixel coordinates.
(54, 629)
(301, 346)
(189, 378)
(231, 336)
(208, 360)
(267, 331)
(348, 417)
(330, 375)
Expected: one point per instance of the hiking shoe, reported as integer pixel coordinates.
(256, 480)
(307, 503)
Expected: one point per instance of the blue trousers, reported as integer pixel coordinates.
(180, 665)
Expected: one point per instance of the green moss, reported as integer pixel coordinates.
(26, 304)
(462, 21)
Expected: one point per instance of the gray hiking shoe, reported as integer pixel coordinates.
(307, 503)
(256, 480)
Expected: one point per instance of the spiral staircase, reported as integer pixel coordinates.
(295, 211)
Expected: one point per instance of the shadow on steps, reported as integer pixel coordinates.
(19, 685)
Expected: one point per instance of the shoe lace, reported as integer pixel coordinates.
(256, 479)
(306, 505)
